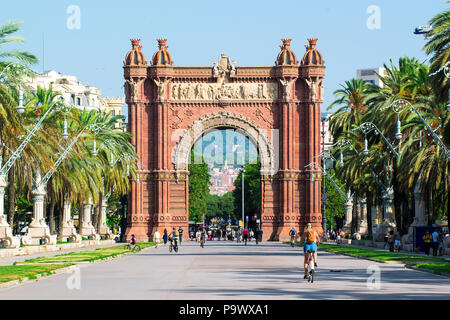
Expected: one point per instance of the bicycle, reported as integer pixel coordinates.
(132, 247)
(173, 247)
(310, 272)
(292, 241)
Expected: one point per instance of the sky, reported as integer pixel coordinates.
(90, 38)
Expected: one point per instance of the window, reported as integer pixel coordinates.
(78, 101)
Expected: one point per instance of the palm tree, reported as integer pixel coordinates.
(438, 46)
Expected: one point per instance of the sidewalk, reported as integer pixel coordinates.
(10, 260)
(446, 257)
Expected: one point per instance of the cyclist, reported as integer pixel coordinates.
(133, 240)
(293, 233)
(174, 236)
(311, 240)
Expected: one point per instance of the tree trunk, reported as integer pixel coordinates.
(369, 214)
(61, 213)
(80, 215)
(51, 213)
(124, 220)
(11, 197)
(100, 203)
(430, 206)
(95, 217)
(397, 197)
(447, 192)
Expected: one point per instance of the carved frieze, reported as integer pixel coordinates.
(224, 91)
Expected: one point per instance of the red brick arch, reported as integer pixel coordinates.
(171, 107)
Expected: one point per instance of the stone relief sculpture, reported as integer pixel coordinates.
(286, 87)
(215, 68)
(161, 87)
(134, 86)
(312, 88)
(227, 91)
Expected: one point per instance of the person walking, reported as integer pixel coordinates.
(435, 242)
(427, 238)
(157, 238)
(390, 240)
(165, 236)
(180, 232)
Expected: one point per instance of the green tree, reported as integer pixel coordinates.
(334, 206)
(199, 183)
(438, 47)
(252, 191)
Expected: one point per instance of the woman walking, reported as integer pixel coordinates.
(165, 236)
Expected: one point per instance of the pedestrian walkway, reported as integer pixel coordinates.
(225, 270)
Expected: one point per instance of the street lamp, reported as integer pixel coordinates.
(243, 174)
(20, 108)
(400, 105)
(368, 127)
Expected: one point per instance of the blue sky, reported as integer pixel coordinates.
(198, 31)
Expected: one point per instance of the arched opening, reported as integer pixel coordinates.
(230, 143)
(218, 198)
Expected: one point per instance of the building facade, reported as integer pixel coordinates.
(75, 93)
(277, 107)
(370, 75)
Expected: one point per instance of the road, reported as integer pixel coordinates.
(225, 270)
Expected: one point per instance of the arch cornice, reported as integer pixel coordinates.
(181, 153)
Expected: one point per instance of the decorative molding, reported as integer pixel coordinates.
(180, 154)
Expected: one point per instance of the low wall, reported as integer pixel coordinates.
(5, 253)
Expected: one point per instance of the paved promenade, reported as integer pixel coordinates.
(225, 270)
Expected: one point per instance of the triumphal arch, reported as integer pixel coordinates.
(277, 107)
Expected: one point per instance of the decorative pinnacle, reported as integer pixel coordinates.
(286, 43)
(312, 42)
(135, 43)
(162, 43)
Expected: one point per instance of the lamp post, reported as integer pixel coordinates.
(37, 228)
(243, 175)
(400, 105)
(368, 127)
(17, 154)
(324, 191)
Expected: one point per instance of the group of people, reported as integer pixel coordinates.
(433, 241)
(175, 237)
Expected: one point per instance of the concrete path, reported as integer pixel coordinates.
(225, 270)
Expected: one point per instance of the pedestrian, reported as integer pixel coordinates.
(427, 238)
(197, 236)
(165, 236)
(441, 243)
(252, 235)
(435, 242)
(180, 231)
(209, 234)
(156, 238)
(390, 240)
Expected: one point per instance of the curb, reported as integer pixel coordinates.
(38, 277)
(61, 270)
